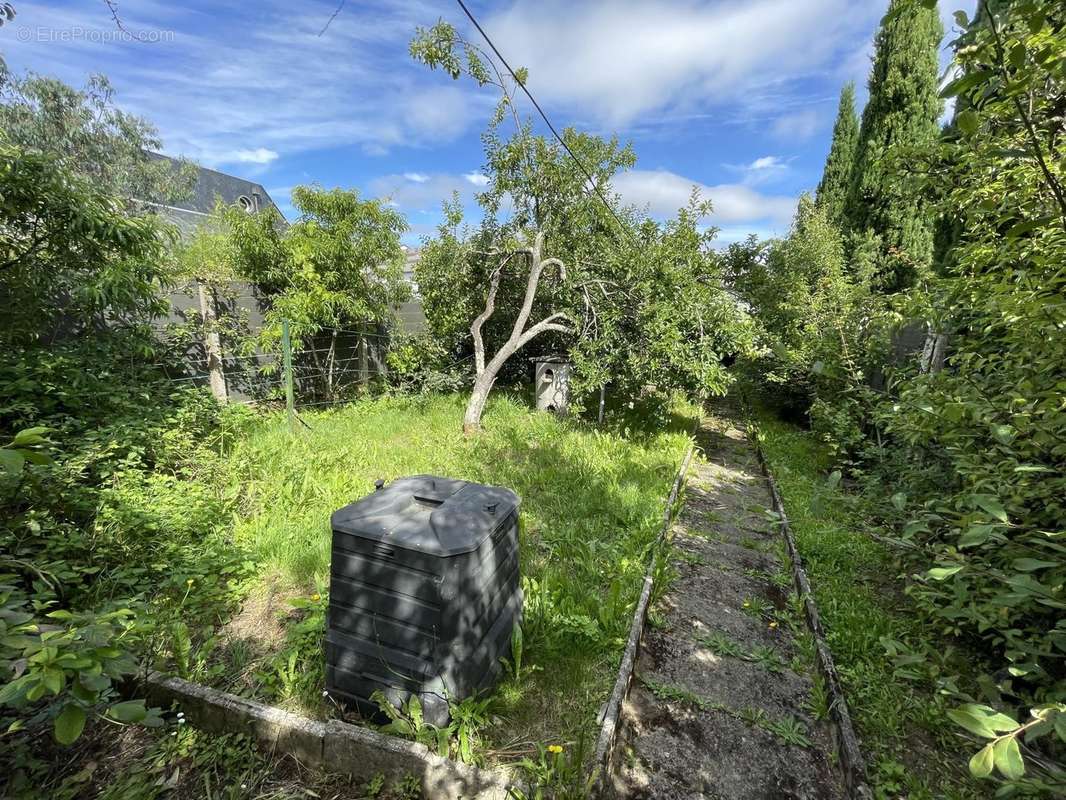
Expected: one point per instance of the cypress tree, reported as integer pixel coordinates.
(836, 177)
(902, 113)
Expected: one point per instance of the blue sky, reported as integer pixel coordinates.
(736, 97)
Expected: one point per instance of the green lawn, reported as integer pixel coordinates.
(913, 749)
(592, 502)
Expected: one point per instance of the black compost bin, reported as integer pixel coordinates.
(424, 593)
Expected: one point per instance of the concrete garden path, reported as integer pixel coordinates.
(723, 703)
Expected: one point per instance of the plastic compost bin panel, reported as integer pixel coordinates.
(424, 592)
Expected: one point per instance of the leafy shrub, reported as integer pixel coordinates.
(421, 364)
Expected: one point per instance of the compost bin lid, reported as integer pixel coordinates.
(430, 514)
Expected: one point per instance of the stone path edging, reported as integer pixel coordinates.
(605, 748)
(333, 745)
(852, 763)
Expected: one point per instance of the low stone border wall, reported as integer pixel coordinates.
(609, 718)
(852, 764)
(332, 745)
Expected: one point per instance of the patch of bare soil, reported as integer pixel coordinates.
(258, 630)
(723, 696)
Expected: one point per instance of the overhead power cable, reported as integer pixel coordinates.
(543, 116)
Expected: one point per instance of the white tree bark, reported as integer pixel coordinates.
(485, 373)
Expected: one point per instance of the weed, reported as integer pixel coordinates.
(721, 645)
(692, 559)
(818, 701)
(848, 571)
(766, 658)
(558, 773)
(757, 607)
(789, 730)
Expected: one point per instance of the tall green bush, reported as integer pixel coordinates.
(836, 177)
(884, 202)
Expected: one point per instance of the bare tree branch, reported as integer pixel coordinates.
(490, 307)
(546, 324)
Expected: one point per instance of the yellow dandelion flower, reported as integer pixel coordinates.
(316, 597)
(555, 748)
(773, 624)
(188, 582)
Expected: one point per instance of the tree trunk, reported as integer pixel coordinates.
(520, 334)
(479, 395)
(331, 361)
(364, 364)
(212, 342)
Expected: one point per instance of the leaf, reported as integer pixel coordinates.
(30, 436)
(70, 723)
(1004, 434)
(1028, 225)
(899, 501)
(940, 573)
(968, 122)
(129, 711)
(1060, 725)
(1008, 758)
(964, 82)
(961, 19)
(11, 461)
(1017, 55)
(1032, 564)
(975, 535)
(834, 479)
(981, 720)
(981, 763)
(990, 505)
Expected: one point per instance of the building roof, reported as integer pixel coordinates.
(210, 186)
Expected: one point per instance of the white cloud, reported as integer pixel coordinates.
(412, 196)
(416, 177)
(798, 126)
(260, 155)
(476, 178)
(766, 162)
(662, 193)
(620, 59)
(263, 75)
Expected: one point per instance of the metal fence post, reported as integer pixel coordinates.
(286, 347)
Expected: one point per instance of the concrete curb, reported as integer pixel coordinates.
(336, 746)
(852, 764)
(602, 759)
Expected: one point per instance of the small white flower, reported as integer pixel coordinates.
(325, 694)
(175, 733)
(181, 714)
(244, 785)
(181, 722)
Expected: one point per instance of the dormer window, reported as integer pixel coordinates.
(246, 204)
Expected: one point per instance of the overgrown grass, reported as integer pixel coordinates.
(591, 505)
(912, 747)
